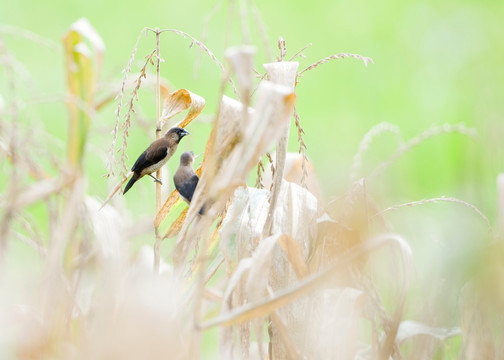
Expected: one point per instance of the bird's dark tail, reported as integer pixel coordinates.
(133, 179)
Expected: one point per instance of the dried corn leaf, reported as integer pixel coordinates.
(332, 329)
(282, 72)
(229, 131)
(476, 323)
(273, 109)
(258, 278)
(179, 101)
(39, 191)
(109, 230)
(293, 172)
(165, 209)
(226, 333)
(176, 225)
(310, 283)
(242, 61)
(258, 267)
(296, 214)
(244, 219)
(294, 253)
(283, 331)
(409, 329)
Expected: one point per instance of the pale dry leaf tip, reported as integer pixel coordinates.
(409, 329)
(273, 109)
(242, 60)
(84, 27)
(179, 101)
(283, 73)
(230, 119)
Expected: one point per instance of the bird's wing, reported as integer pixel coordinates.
(149, 157)
(187, 187)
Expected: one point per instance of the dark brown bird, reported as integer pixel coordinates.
(156, 155)
(185, 178)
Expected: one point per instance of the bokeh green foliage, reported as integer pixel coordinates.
(435, 63)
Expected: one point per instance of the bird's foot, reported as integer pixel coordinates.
(156, 179)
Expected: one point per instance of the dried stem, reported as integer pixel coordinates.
(131, 109)
(304, 287)
(201, 46)
(159, 173)
(302, 148)
(127, 70)
(365, 59)
(366, 142)
(272, 167)
(435, 201)
(260, 169)
(300, 52)
(438, 130)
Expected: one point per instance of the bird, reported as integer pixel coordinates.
(156, 155)
(185, 179)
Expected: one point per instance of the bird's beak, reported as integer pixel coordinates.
(196, 156)
(183, 133)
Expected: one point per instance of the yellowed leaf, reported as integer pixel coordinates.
(176, 225)
(165, 209)
(294, 254)
(179, 101)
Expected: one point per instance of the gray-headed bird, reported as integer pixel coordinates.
(185, 178)
(156, 155)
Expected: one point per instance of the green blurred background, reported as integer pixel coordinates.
(434, 63)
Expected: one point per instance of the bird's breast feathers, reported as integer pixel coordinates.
(155, 167)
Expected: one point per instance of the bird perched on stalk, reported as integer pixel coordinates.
(156, 155)
(185, 179)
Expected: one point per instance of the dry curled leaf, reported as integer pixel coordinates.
(242, 60)
(179, 101)
(273, 109)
